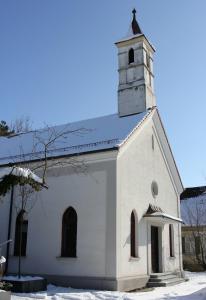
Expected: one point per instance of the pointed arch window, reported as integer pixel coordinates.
(21, 234)
(171, 240)
(131, 56)
(133, 251)
(69, 233)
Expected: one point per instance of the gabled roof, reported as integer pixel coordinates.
(156, 213)
(90, 135)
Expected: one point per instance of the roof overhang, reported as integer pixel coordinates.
(167, 151)
(163, 218)
(134, 39)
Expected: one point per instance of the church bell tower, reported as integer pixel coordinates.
(136, 79)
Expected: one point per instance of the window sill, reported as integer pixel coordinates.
(134, 258)
(66, 257)
(172, 257)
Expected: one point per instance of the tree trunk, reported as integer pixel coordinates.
(20, 242)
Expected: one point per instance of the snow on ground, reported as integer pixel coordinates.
(194, 289)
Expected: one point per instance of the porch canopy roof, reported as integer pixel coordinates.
(156, 214)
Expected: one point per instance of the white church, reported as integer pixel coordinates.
(116, 226)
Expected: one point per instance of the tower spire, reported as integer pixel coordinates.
(135, 26)
(136, 79)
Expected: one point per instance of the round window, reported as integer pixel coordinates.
(154, 188)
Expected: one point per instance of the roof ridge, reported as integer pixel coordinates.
(55, 126)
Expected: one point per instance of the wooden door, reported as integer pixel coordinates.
(155, 249)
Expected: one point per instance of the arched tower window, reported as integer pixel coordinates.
(171, 240)
(131, 56)
(69, 233)
(21, 234)
(133, 252)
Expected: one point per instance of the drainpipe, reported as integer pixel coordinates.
(9, 228)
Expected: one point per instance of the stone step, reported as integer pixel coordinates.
(179, 280)
(159, 275)
(170, 282)
(165, 278)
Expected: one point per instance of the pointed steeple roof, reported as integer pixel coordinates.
(135, 26)
(134, 32)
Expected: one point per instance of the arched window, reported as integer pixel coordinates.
(69, 233)
(131, 56)
(133, 235)
(171, 240)
(21, 234)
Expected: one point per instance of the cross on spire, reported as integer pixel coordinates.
(135, 26)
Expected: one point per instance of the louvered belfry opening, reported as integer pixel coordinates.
(131, 56)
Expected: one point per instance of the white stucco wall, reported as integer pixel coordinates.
(115, 184)
(138, 165)
(136, 86)
(4, 220)
(93, 196)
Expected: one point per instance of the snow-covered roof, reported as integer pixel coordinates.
(193, 210)
(193, 192)
(155, 213)
(162, 217)
(107, 132)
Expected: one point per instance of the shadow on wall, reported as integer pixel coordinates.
(140, 227)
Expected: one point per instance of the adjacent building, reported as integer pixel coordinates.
(193, 211)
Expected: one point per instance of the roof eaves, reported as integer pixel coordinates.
(68, 155)
(170, 150)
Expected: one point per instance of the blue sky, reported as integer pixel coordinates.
(58, 64)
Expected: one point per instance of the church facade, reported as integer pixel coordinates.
(118, 223)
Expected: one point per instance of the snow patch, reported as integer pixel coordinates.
(2, 260)
(19, 172)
